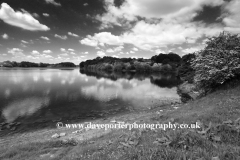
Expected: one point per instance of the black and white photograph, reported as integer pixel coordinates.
(119, 79)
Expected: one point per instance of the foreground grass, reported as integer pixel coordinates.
(219, 137)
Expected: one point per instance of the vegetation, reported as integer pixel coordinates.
(31, 64)
(186, 71)
(218, 62)
(159, 63)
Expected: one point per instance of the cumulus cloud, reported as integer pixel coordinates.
(47, 51)
(100, 53)
(192, 49)
(89, 42)
(62, 49)
(72, 34)
(110, 50)
(232, 19)
(46, 14)
(116, 49)
(16, 52)
(24, 41)
(63, 54)
(20, 19)
(135, 49)
(45, 38)
(52, 2)
(70, 49)
(164, 22)
(64, 37)
(34, 52)
(5, 36)
(102, 38)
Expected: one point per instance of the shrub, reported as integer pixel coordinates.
(218, 62)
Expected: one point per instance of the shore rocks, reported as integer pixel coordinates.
(55, 135)
(62, 134)
(59, 135)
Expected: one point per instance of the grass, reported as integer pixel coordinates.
(219, 137)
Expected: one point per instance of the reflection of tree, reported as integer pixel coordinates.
(115, 75)
(165, 80)
(161, 80)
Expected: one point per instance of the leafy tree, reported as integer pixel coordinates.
(219, 61)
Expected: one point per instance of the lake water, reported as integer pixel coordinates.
(35, 95)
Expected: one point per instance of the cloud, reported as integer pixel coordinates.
(89, 42)
(45, 38)
(232, 19)
(85, 4)
(16, 52)
(70, 49)
(102, 38)
(34, 52)
(46, 14)
(47, 51)
(158, 9)
(5, 36)
(110, 50)
(72, 34)
(117, 49)
(164, 22)
(135, 49)
(62, 49)
(100, 53)
(193, 49)
(63, 54)
(64, 37)
(53, 2)
(24, 41)
(20, 19)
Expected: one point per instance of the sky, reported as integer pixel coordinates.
(53, 31)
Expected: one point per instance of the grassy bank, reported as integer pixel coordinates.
(218, 138)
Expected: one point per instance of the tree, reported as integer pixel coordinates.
(218, 61)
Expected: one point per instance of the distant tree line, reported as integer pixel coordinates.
(159, 63)
(26, 64)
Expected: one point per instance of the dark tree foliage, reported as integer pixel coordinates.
(65, 64)
(167, 58)
(26, 64)
(185, 71)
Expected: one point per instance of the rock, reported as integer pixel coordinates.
(62, 134)
(55, 136)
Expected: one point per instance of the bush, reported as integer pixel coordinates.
(218, 62)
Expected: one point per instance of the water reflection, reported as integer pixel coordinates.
(24, 107)
(133, 87)
(32, 94)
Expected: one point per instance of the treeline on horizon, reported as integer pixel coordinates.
(217, 63)
(158, 63)
(26, 64)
